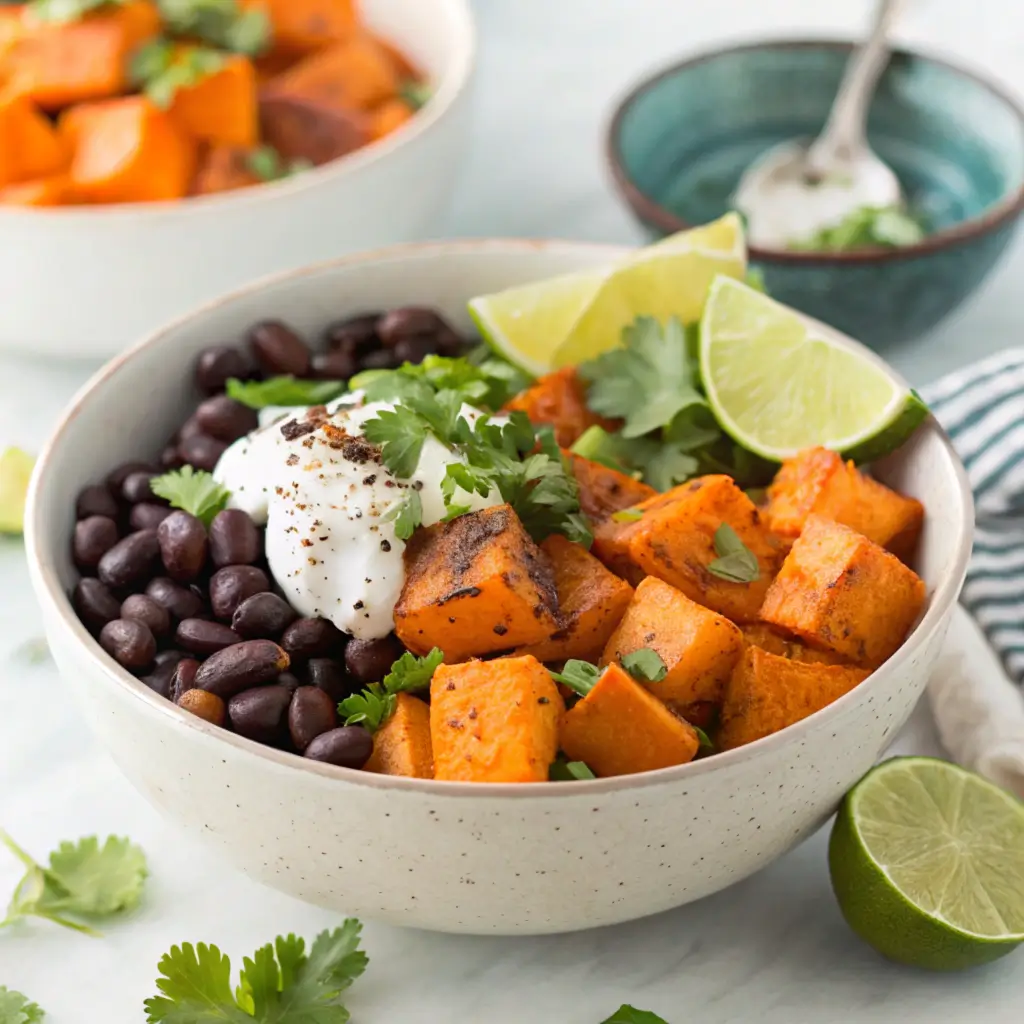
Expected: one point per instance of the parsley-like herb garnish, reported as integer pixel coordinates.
(645, 665)
(411, 673)
(628, 515)
(193, 490)
(68, 10)
(416, 94)
(569, 771)
(706, 745)
(407, 514)
(160, 69)
(580, 676)
(887, 227)
(626, 1014)
(376, 704)
(220, 23)
(735, 562)
(268, 164)
(18, 1009)
(285, 390)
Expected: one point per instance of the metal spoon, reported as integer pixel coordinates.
(794, 190)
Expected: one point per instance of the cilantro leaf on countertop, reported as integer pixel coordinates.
(407, 514)
(285, 390)
(735, 562)
(410, 673)
(645, 665)
(569, 771)
(193, 490)
(18, 1009)
(626, 1014)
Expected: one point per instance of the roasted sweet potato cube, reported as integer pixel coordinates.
(619, 728)
(698, 646)
(474, 586)
(604, 491)
(558, 400)
(494, 721)
(591, 600)
(222, 169)
(401, 746)
(222, 107)
(818, 482)
(30, 147)
(840, 592)
(302, 26)
(767, 692)
(389, 117)
(53, 191)
(786, 646)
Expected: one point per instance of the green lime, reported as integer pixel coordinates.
(778, 385)
(927, 862)
(15, 471)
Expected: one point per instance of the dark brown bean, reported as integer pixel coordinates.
(136, 488)
(93, 538)
(225, 419)
(170, 458)
(129, 642)
(240, 667)
(183, 546)
(189, 429)
(145, 609)
(408, 322)
(199, 636)
(116, 477)
(290, 680)
(278, 349)
(334, 365)
(382, 359)
(202, 451)
(184, 678)
(96, 500)
(170, 656)
(369, 661)
(234, 539)
(310, 714)
(415, 350)
(328, 675)
(348, 747)
(355, 336)
(449, 343)
(262, 617)
(217, 365)
(181, 602)
(260, 714)
(311, 638)
(161, 679)
(95, 604)
(232, 585)
(145, 516)
(131, 560)
(204, 705)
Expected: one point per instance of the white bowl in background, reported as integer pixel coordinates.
(506, 859)
(87, 282)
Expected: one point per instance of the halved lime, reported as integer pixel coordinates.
(927, 862)
(15, 471)
(778, 386)
(565, 320)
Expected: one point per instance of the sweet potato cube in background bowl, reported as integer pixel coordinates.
(604, 491)
(475, 586)
(401, 746)
(558, 400)
(222, 169)
(30, 146)
(840, 592)
(222, 106)
(785, 645)
(302, 26)
(591, 601)
(494, 721)
(698, 646)
(389, 117)
(52, 191)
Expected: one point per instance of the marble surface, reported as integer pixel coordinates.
(773, 948)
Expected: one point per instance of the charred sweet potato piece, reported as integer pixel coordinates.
(785, 646)
(401, 746)
(767, 692)
(619, 728)
(303, 130)
(476, 585)
(222, 107)
(558, 400)
(302, 26)
(222, 169)
(698, 646)
(840, 592)
(494, 721)
(389, 117)
(30, 147)
(53, 191)
(591, 600)
(818, 482)
(604, 491)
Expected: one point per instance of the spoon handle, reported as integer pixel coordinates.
(845, 132)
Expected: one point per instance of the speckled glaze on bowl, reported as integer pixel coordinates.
(679, 142)
(505, 859)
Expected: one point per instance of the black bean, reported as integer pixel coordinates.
(184, 678)
(234, 539)
(170, 458)
(161, 679)
(311, 638)
(131, 560)
(415, 350)
(348, 747)
(145, 609)
(202, 451)
(93, 538)
(328, 675)
(334, 365)
(136, 488)
(217, 365)
(145, 516)
(95, 604)
(181, 602)
(183, 546)
(225, 419)
(262, 617)
(129, 642)
(408, 322)
(239, 667)
(290, 680)
(232, 585)
(278, 349)
(382, 359)
(310, 714)
(96, 500)
(369, 661)
(190, 428)
(116, 477)
(355, 336)
(199, 636)
(260, 714)
(170, 656)
(449, 343)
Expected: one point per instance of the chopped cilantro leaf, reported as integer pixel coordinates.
(68, 10)
(160, 69)
(645, 665)
(410, 673)
(626, 1014)
(193, 490)
(569, 771)
(886, 227)
(401, 434)
(735, 562)
(285, 390)
(416, 94)
(221, 23)
(370, 709)
(579, 676)
(628, 515)
(706, 744)
(407, 514)
(17, 1009)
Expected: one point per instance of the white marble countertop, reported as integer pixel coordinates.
(773, 948)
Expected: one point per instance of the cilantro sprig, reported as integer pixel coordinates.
(376, 704)
(193, 490)
(284, 390)
(268, 164)
(18, 1009)
(160, 69)
(221, 23)
(580, 676)
(735, 562)
(645, 665)
(626, 1014)
(562, 770)
(407, 514)
(68, 10)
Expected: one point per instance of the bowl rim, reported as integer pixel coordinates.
(455, 79)
(59, 614)
(653, 213)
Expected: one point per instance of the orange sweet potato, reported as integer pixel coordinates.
(52, 191)
(222, 169)
(402, 744)
(620, 728)
(698, 646)
(840, 592)
(785, 646)
(302, 26)
(603, 490)
(304, 130)
(389, 117)
(404, 65)
(766, 693)
(222, 107)
(474, 586)
(30, 147)
(591, 600)
(494, 721)
(558, 400)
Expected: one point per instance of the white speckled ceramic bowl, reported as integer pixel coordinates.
(512, 859)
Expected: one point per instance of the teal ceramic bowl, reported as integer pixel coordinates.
(679, 142)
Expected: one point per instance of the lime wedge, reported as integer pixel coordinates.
(927, 862)
(15, 471)
(777, 385)
(565, 320)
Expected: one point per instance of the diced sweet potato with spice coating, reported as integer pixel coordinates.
(558, 400)
(620, 728)
(818, 482)
(389, 117)
(840, 592)
(603, 490)
(785, 646)
(30, 146)
(698, 646)
(401, 746)
(221, 107)
(222, 169)
(302, 26)
(476, 585)
(494, 721)
(767, 693)
(591, 600)
(53, 191)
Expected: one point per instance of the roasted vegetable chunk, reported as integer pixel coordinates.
(591, 600)
(401, 746)
(785, 646)
(301, 26)
(841, 592)
(30, 146)
(558, 400)
(494, 721)
(698, 646)
(221, 108)
(619, 728)
(474, 586)
(604, 491)
(767, 693)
